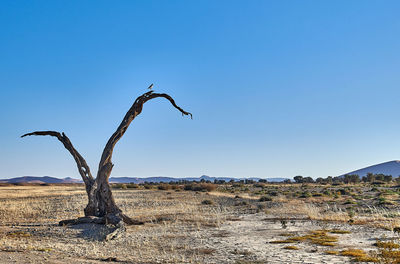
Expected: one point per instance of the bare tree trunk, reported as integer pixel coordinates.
(83, 168)
(101, 207)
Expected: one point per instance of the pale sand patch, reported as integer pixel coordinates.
(253, 233)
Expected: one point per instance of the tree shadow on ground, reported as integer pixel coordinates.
(92, 232)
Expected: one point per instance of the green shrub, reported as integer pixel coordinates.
(305, 195)
(327, 193)
(348, 201)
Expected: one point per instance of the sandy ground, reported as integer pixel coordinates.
(254, 232)
(181, 230)
(244, 240)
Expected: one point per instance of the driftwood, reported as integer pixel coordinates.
(101, 207)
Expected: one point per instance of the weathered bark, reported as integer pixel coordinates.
(101, 207)
(104, 197)
(83, 168)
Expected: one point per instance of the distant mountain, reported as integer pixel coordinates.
(169, 179)
(39, 179)
(140, 180)
(387, 168)
(48, 179)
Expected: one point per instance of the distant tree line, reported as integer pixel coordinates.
(349, 178)
(345, 179)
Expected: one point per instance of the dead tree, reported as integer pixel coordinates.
(101, 207)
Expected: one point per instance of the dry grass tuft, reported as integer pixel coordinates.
(337, 231)
(291, 247)
(353, 252)
(389, 256)
(44, 249)
(388, 252)
(387, 245)
(317, 237)
(359, 255)
(286, 234)
(332, 252)
(18, 234)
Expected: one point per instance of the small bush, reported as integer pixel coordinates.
(305, 195)
(207, 202)
(343, 192)
(348, 201)
(265, 198)
(120, 186)
(384, 201)
(378, 183)
(261, 207)
(200, 187)
(273, 193)
(317, 194)
(164, 187)
(176, 187)
(241, 203)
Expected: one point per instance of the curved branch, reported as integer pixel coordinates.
(83, 168)
(132, 113)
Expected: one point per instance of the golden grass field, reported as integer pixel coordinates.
(221, 226)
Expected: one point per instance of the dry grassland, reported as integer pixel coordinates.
(186, 227)
(29, 216)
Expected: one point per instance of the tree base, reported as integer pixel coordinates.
(83, 220)
(112, 219)
(118, 221)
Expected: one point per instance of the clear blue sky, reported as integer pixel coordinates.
(277, 88)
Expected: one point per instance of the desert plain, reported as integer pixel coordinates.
(205, 223)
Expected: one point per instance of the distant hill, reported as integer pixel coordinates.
(48, 179)
(388, 168)
(39, 179)
(168, 179)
